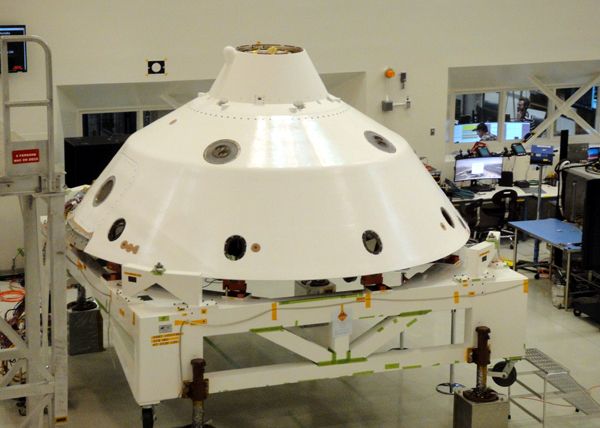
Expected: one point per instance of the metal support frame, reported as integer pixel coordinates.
(345, 334)
(39, 186)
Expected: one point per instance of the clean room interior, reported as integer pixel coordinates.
(381, 116)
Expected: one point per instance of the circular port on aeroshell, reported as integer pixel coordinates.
(104, 191)
(221, 152)
(117, 229)
(372, 242)
(235, 247)
(380, 142)
(447, 217)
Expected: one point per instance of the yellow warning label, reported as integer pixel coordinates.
(165, 339)
(138, 275)
(526, 286)
(456, 297)
(192, 322)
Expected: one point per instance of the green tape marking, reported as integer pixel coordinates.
(436, 364)
(267, 329)
(368, 316)
(412, 322)
(414, 313)
(380, 329)
(367, 372)
(392, 366)
(164, 318)
(344, 361)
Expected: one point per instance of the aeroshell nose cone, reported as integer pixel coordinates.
(268, 177)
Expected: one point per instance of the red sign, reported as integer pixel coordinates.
(25, 156)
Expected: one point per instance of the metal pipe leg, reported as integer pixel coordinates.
(198, 392)
(450, 385)
(515, 250)
(568, 280)
(198, 414)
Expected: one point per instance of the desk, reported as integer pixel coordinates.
(559, 234)
(550, 192)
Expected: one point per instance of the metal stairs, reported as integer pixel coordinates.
(557, 376)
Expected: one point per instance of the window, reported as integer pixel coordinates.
(150, 116)
(476, 117)
(584, 106)
(525, 110)
(107, 124)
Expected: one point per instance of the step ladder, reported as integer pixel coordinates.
(29, 170)
(557, 376)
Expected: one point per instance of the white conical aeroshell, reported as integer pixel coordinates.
(269, 165)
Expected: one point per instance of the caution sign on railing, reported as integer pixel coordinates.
(25, 156)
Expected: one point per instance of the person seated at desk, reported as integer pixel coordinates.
(484, 135)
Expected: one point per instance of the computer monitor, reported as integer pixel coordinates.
(472, 169)
(466, 132)
(483, 152)
(593, 153)
(17, 51)
(516, 130)
(518, 149)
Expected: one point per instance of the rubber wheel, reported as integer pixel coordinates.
(536, 276)
(512, 376)
(147, 418)
(577, 312)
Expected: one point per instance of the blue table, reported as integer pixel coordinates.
(559, 234)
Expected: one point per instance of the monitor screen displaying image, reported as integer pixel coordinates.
(465, 133)
(17, 52)
(478, 169)
(516, 130)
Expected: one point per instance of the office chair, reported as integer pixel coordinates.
(504, 209)
(472, 213)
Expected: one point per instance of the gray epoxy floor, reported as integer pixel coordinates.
(100, 396)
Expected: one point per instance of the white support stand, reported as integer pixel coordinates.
(28, 169)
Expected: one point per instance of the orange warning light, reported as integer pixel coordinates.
(389, 73)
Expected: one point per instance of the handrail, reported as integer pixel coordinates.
(4, 40)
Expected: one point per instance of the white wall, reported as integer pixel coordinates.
(109, 41)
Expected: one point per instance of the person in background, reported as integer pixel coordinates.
(484, 134)
(522, 110)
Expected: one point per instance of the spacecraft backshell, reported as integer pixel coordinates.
(299, 178)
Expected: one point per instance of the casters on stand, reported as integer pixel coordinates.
(504, 381)
(148, 417)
